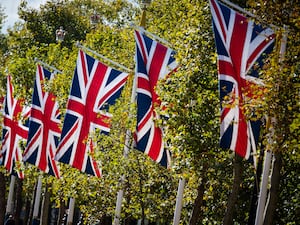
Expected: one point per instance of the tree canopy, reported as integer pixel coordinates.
(190, 96)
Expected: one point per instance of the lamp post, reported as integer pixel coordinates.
(94, 19)
(145, 4)
(60, 34)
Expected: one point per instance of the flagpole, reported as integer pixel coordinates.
(118, 207)
(263, 188)
(37, 200)
(125, 152)
(47, 65)
(142, 29)
(78, 45)
(245, 11)
(178, 205)
(9, 206)
(238, 8)
(71, 211)
(265, 177)
(127, 134)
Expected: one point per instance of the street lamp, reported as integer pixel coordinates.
(95, 18)
(145, 3)
(60, 34)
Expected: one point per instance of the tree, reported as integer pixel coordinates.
(282, 102)
(190, 96)
(2, 196)
(3, 46)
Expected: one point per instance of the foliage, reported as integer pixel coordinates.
(191, 118)
(3, 46)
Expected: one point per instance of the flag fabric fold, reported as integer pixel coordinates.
(154, 61)
(44, 130)
(14, 131)
(95, 87)
(242, 47)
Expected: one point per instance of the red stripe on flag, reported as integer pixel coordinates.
(88, 114)
(142, 47)
(156, 143)
(258, 50)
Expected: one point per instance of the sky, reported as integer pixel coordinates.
(11, 10)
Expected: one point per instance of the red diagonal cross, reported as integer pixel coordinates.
(47, 125)
(86, 109)
(12, 123)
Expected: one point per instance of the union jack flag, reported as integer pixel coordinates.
(1, 155)
(44, 130)
(241, 46)
(14, 131)
(95, 87)
(153, 61)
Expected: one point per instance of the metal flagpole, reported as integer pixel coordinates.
(9, 206)
(266, 171)
(47, 65)
(78, 45)
(263, 188)
(120, 193)
(141, 29)
(118, 207)
(71, 211)
(245, 12)
(37, 200)
(126, 150)
(127, 138)
(178, 205)
(238, 8)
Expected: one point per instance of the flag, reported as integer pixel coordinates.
(95, 87)
(1, 155)
(44, 130)
(241, 46)
(154, 61)
(14, 131)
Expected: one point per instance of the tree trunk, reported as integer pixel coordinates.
(142, 203)
(27, 211)
(238, 170)
(18, 208)
(274, 190)
(2, 197)
(198, 203)
(61, 213)
(29, 220)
